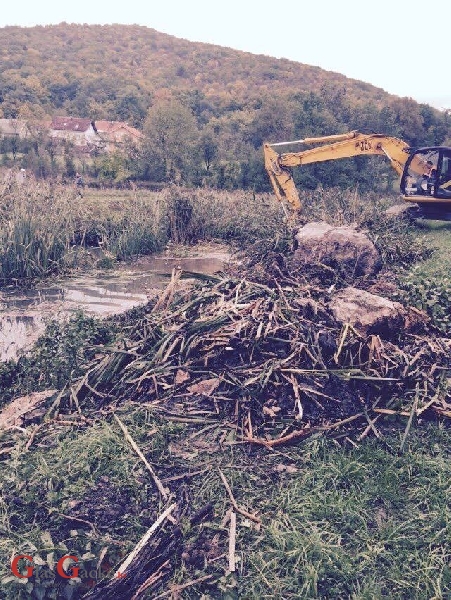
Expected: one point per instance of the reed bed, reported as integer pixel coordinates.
(43, 225)
(37, 222)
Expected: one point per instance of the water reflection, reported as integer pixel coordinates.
(23, 313)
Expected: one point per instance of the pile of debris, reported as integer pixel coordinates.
(276, 362)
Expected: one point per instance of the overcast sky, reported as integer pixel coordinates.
(402, 46)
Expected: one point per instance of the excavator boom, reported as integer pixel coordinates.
(278, 166)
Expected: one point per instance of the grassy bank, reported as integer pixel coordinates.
(427, 284)
(337, 521)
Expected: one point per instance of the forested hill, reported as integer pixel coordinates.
(204, 110)
(115, 71)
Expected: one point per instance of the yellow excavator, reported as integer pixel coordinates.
(425, 173)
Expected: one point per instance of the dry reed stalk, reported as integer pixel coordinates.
(232, 542)
(242, 511)
(163, 491)
(143, 541)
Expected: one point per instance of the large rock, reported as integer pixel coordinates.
(370, 314)
(342, 248)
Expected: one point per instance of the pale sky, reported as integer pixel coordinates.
(401, 46)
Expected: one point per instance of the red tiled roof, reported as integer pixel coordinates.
(110, 127)
(70, 124)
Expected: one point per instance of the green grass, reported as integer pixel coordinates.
(427, 284)
(438, 236)
(357, 523)
(337, 521)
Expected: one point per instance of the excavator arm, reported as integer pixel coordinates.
(278, 166)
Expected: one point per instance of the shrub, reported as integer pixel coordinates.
(430, 294)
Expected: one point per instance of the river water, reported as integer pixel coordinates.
(23, 314)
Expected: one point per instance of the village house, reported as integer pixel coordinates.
(81, 132)
(86, 135)
(116, 133)
(14, 128)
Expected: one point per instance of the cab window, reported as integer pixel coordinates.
(443, 189)
(419, 180)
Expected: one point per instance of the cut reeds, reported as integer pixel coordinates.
(249, 354)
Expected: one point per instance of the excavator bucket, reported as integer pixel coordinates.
(281, 179)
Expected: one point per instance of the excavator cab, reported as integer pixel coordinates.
(426, 179)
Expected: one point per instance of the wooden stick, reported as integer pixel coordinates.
(370, 427)
(243, 512)
(91, 525)
(33, 435)
(144, 540)
(249, 422)
(409, 423)
(390, 411)
(232, 542)
(294, 435)
(301, 433)
(163, 491)
(52, 422)
(185, 475)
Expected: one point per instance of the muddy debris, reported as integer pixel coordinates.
(24, 408)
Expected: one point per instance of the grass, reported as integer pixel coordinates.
(427, 284)
(438, 235)
(59, 355)
(337, 521)
(36, 226)
(347, 526)
(188, 215)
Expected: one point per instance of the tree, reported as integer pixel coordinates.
(208, 148)
(273, 122)
(314, 117)
(409, 120)
(130, 106)
(170, 132)
(112, 168)
(62, 92)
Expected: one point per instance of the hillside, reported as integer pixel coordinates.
(76, 66)
(205, 110)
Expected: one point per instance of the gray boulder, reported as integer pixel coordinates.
(372, 314)
(344, 248)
